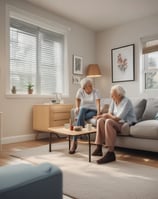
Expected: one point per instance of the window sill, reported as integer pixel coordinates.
(20, 96)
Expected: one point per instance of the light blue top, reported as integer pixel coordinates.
(124, 110)
(88, 100)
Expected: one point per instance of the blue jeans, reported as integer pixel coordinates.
(84, 114)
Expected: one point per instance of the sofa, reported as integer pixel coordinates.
(144, 134)
(26, 181)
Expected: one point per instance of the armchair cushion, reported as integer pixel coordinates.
(30, 181)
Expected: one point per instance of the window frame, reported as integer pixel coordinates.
(144, 70)
(45, 23)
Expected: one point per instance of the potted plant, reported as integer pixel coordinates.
(13, 89)
(30, 88)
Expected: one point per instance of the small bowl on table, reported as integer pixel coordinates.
(77, 128)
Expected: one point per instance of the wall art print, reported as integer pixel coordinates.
(76, 79)
(77, 65)
(123, 63)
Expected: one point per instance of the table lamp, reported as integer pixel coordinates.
(93, 70)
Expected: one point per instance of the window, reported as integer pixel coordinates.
(37, 57)
(150, 56)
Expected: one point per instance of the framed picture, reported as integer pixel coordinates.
(76, 79)
(123, 63)
(77, 65)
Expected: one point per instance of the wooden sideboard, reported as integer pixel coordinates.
(50, 115)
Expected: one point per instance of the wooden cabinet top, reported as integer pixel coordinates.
(59, 105)
(53, 107)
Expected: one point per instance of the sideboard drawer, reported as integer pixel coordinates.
(46, 116)
(60, 116)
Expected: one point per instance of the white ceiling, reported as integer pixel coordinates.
(100, 14)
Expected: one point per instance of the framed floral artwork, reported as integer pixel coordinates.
(77, 65)
(123, 63)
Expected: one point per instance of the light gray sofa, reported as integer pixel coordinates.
(25, 181)
(144, 134)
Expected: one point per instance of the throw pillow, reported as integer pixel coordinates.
(151, 109)
(105, 108)
(139, 107)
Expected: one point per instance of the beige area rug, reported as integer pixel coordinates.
(84, 180)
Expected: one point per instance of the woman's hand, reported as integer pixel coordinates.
(105, 116)
(98, 116)
(77, 110)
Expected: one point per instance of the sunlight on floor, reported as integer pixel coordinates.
(66, 197)
(146, 160)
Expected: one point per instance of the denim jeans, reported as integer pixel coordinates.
(84, 114)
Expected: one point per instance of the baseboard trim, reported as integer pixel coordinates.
(22, 138)
(15, 139)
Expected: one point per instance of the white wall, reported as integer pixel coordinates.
(120, 36)
(17, 112)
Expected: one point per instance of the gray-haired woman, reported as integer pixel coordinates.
(87, 105)
(109, 124)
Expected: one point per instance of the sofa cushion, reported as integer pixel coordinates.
(139, 107)
(125, 129)
(151, 109)
(105, 108)
(145, 129)
(92, 121)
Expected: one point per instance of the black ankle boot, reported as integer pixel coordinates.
(98, 151)
(108, 157)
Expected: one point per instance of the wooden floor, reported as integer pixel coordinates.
(140, 157)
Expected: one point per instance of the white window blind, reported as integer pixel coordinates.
(36, 56)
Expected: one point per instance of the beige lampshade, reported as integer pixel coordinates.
(93, 70)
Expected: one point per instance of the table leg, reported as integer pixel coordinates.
(50, 142)
(69, 142)
(1, 130)
(89, 142)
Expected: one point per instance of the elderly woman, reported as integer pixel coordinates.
(87, 105)
(109, 124)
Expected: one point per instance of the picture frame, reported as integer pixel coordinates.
(77, 65)
(123, 63)
(76, 79)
